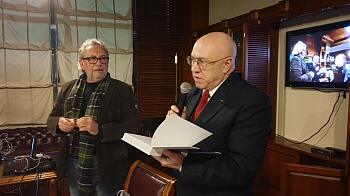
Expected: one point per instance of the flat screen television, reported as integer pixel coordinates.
(319, 57)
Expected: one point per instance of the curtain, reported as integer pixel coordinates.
(107, 20)
(25, 62)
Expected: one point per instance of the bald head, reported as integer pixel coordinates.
(212, 59)
(216, 45)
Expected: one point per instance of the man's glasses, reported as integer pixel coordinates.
(94, 59)
(202, 64)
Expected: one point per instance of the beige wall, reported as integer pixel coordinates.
(225, 9)
(300, 113)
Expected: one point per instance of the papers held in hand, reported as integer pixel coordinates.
(173, 133)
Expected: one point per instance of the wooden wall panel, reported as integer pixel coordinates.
(311, 181)
(163, 28)
(257, 56)
(156, 42)
(272, 166)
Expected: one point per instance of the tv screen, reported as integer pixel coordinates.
(319, 57)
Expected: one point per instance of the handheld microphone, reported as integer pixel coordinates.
(185, 88)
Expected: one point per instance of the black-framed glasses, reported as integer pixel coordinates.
(94, 59)
(202, 64)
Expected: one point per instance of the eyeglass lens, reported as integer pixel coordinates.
(94, 59)
(191, 60)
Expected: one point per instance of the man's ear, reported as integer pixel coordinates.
(80, 65)
(227, 65)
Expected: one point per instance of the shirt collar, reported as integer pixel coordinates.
(211, 92)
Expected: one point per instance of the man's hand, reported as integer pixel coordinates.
(88, 124)
(170, 159)
(66, 124)
(175, 110)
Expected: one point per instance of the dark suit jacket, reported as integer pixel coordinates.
(239, 116)
(117, 115)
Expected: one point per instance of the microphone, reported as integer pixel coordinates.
(32, 149)
(185, 88)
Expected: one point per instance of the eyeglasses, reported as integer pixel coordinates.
(202, 64)
(94, 59)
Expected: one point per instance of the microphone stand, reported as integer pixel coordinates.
(176, 79)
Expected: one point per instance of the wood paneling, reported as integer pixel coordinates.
(156, 42)
(281, 152)
(299, 180)
(275, 156)
(163, 28)
(257, 56)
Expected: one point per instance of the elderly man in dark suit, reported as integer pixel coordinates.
(238, 115)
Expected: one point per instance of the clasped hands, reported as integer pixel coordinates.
(83, 124)
(169, 158)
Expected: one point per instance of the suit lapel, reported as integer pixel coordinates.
(213, 106)
(217, 102)
(191, 106)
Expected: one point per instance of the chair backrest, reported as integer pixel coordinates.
(145, 180)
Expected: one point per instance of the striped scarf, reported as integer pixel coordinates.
(85, 148)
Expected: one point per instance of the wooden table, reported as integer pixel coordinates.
(51, 177)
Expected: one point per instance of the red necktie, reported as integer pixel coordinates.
(201, 105)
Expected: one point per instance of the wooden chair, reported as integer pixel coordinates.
(145, 180)
(310, 180)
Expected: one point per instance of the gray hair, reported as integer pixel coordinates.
(298, 48)
(91, 42)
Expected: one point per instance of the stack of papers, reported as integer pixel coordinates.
(173, 133)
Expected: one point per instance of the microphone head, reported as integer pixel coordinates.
(185, 87)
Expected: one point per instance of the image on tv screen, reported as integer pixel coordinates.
(319, 56)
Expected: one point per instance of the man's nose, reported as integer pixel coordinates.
(98, 61)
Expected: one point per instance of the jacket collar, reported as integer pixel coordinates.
(215, 103)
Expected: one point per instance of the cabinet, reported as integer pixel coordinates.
(292, 169)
